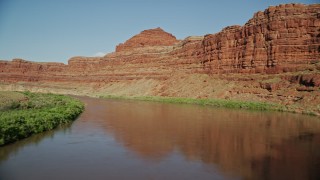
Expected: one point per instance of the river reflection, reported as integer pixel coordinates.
(215, 143)
(254, 145)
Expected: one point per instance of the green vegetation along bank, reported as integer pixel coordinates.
(206, 102)
(24, 113)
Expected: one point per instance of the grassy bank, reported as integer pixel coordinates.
(23, 113)
(206, 102)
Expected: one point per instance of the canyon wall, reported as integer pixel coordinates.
(283, 38)
(151, 37)
(274, 57)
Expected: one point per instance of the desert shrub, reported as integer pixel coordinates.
(40, 113)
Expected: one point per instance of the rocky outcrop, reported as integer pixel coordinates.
(151, 37)
(281, 39)
(23, 66)
(22, 70)
(309, 80)
(79, 63)
(189, 48)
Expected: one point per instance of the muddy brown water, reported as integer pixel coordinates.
(117, 139)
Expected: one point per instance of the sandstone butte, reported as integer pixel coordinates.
(274, 57)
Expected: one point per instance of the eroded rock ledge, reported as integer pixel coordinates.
(274, 57)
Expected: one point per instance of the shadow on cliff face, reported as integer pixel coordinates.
(253, 145)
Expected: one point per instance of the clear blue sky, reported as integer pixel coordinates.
(55, 30)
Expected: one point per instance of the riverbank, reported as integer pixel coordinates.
(24, 113)
(235, 104)
(283, 90)
(206, 102)
(167, 138)
(220, 93)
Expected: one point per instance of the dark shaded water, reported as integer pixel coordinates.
(142, 140)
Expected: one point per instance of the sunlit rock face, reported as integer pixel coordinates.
(274, 57)
(151, 37)
(282, 38)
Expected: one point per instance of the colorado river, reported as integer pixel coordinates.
(118, 139)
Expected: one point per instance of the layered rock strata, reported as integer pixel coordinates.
(151, 37)
(277, 53)
(283, 38)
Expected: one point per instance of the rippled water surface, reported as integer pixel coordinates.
(116, 139)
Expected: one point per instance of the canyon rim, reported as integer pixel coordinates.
(274, 58)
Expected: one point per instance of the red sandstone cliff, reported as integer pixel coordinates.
(151, 37)
(280, 39)
(283, 40)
